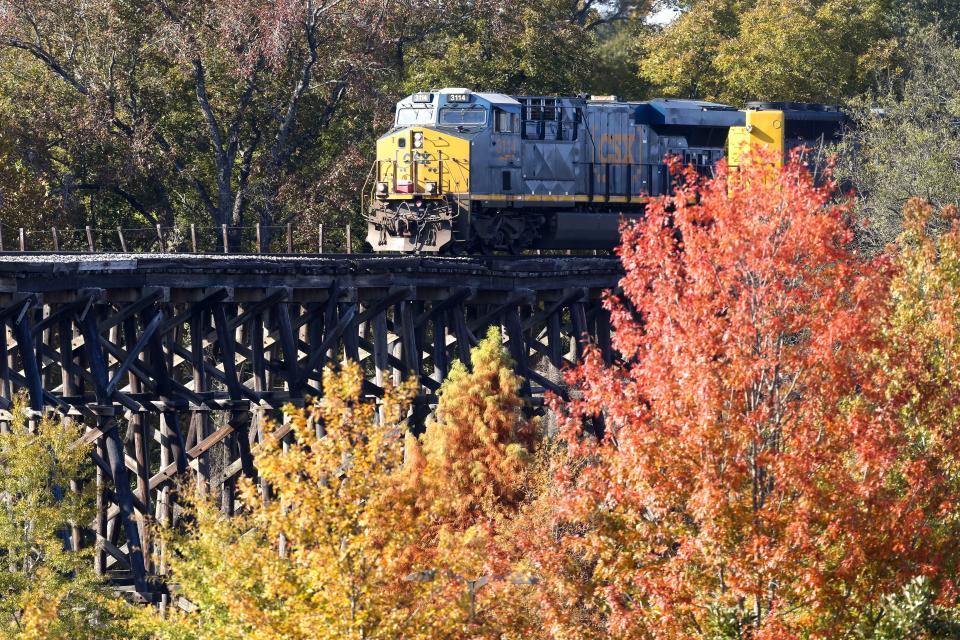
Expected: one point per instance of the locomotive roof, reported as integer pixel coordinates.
(667, 111)
(498, 98)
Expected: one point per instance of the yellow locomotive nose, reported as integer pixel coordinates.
(421, 186)
(421, 161)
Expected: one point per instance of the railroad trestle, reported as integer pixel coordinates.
(179, 365)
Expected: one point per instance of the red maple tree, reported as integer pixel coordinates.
(753, 479)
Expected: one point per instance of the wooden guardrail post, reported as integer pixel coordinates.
(160, 237)
(259, 238)
(90, 243)
(349, 240)
(123, 241)
(193, 237)
(23, 240)
(289, 238)
(319, 238)
(1, 237)
(226, 238)
(56, 239)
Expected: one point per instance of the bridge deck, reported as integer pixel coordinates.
(49, 273)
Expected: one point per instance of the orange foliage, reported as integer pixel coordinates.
(472, 471)
(755, 479)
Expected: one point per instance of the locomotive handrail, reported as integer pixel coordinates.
(463, 181)
(363, 192)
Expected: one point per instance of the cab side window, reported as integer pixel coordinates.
(502, 121)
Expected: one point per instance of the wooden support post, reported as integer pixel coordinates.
(140, 426)
(114, 447)
(159, 366)
(256, 350)
(76, 533)
(518, 348)
(319, 239)
(28, 357)
(123, 241)
(259, 230)
(201, 418)
(351, 335)
(90, 243)
(160, 245)
(23, 240)
(408, 337)
(289, 238)
(100, 520)
(239, 417)
(380, 353)
(463, 335)
(578, 316)
(441, 363)
(226, 238)
(56, 240)
(554, 339)
(6, 390)
(603, 334)
(349, 240)
(46, 336)
(288, 346)
(193, 237)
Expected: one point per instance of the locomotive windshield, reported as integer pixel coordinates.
(467, 116)
(407, 116)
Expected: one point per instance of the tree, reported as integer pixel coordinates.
(527, 47)
(327, 553)
(23, 199)
(475, 469)
(219, 113)
(757, 477)
(49, 588)
(903, 140)
(739, 50)
(479, 447)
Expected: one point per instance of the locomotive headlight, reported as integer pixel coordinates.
(381, 188)
(417, 139)
(430, 187)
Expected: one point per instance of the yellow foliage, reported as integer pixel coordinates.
(326, 555)
(368, 533)
(49, 590)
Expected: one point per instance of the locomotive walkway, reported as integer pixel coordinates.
(174, 361)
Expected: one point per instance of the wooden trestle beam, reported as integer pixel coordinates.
(173, 364)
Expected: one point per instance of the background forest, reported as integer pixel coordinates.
(143, 113)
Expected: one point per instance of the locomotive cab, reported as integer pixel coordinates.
(422, 180)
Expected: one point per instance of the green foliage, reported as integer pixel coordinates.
(739, 50)
(49, 590)
(527, 47)
(904, 138)
(912, 614)
(616, 66)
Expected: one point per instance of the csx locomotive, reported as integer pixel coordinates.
(485, 172)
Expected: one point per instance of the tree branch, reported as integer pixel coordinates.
(47, 59)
